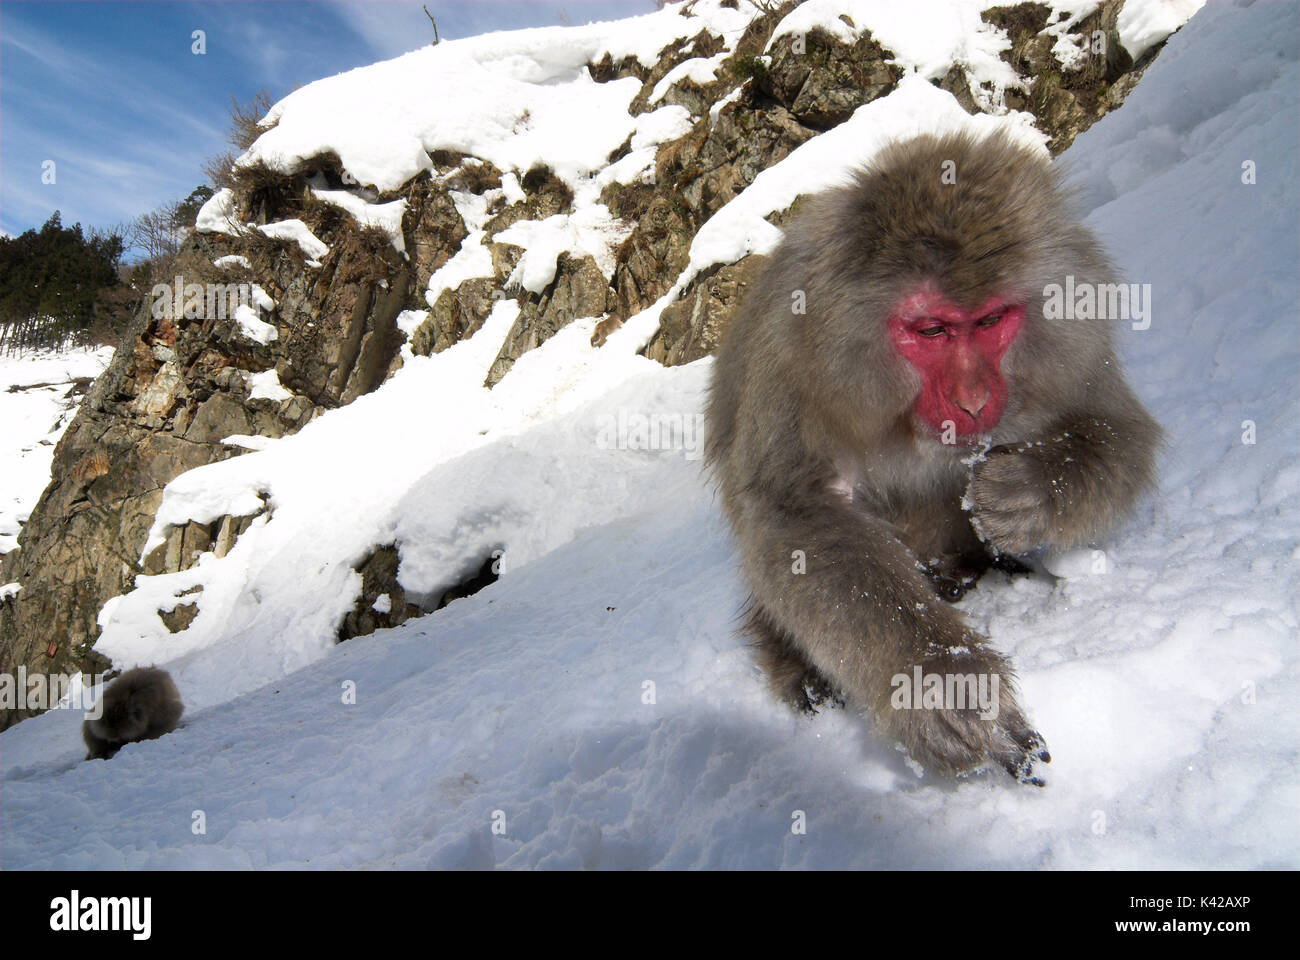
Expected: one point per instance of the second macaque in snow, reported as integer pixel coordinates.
(141, 704)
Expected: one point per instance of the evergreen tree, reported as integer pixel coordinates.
(50, 281)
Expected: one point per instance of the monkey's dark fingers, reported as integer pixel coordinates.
(1022, 771)
(1036, 748)
(1027, 780)
(1030, 748)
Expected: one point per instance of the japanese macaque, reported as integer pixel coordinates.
(893, 410)
(141, 704)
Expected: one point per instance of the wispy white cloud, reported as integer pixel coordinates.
(114, 95)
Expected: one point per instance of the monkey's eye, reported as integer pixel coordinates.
(988, 321)
(931, 332)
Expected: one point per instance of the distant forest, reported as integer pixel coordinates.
(54, 284)
(63, 286)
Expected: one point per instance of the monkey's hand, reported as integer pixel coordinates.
(1013, 498)
(1067, 488)
(984, 725)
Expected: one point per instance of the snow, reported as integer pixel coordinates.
(597, 695)
(660, 126)
(9, 590)
(591, 230)
(701, 70)
(34, 411)
(266, 386)
(473, 259)
(297, 232)
(513, 191)
(254, 327)
(1143, 25)
(653, 128)
(926, 36)
(385, 216)
(233, 260)
(516, 99)
(217, 215)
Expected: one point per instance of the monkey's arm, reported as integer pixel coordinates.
(862, 612)
(1070, 486)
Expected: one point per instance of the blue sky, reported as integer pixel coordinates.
(113, 94)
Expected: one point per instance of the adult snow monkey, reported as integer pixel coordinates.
(893, 406)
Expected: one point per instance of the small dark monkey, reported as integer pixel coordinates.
(893, 409)
(141, 704)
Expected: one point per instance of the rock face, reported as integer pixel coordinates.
(692, 327)
(327, 325)
(1066, 100)
(579, 290)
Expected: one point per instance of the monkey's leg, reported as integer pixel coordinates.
(863, 613)
(1067, 488)
(790, 675)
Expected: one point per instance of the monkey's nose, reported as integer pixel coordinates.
(971, 400)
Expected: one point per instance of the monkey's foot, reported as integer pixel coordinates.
(817, 691)
(958, 743)
(1010, 565)
(805, 689)
(790, 675)
(963, 716)
(952, 576)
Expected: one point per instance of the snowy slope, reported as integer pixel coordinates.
(35, 409)
(1167, 688)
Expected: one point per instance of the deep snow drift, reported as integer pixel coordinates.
(595, 701)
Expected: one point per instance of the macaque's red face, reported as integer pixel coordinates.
(958, 355)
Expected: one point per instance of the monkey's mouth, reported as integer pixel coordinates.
(960, 432)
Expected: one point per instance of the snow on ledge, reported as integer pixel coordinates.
(515, 98)
(218, 214)
(298, 232)
(254, 327)
(386, 216)
(266, 386)
(1144, 24)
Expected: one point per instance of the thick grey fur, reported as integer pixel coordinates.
(141, 704)
(815, 446)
